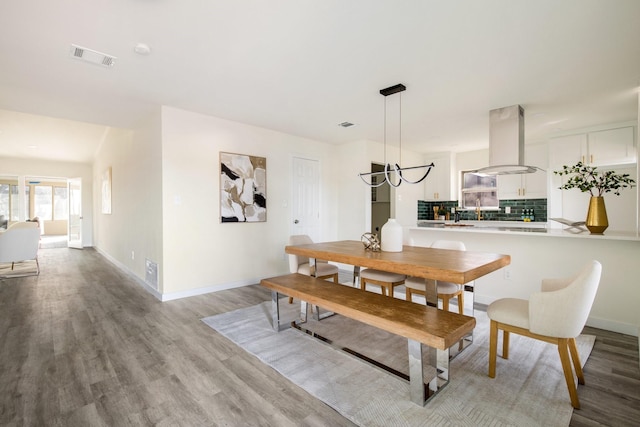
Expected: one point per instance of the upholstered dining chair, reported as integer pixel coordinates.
(446, 290)
(300, 264)
(386, 280)
(557, 314)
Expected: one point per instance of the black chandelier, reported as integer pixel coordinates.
(389, 169)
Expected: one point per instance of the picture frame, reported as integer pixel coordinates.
(243, 188)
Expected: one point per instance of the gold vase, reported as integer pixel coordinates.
(597, 220)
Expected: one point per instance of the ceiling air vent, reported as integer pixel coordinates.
(92, 56)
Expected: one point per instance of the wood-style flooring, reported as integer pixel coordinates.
(84, 345)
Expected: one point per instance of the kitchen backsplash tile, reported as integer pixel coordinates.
(536, 209)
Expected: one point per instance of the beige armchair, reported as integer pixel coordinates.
(556, 315)
(20, 242)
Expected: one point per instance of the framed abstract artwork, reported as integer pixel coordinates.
(106, 191)
(243, 188)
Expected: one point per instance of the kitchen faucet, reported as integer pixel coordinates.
(478, 212)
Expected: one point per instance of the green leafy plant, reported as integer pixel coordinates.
(588, 179)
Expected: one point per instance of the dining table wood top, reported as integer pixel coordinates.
(430, 263)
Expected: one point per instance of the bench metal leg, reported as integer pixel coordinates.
(275, 311)
(416, 384)
(277, 323)
(303, 306)
(439, 360)
(304, 309)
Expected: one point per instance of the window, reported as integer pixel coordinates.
(4, 200)
(479, 191)
(14, 200)
(50, 203)
(43, 202)
(60, 203)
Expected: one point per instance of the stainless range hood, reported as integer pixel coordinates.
(506, 143)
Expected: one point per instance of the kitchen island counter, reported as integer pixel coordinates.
(555, 253)
(542, 229)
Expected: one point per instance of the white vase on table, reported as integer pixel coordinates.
(391, 236)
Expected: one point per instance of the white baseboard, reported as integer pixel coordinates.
(175, 295)
(207, 289)
(610, 325)
(130, 273)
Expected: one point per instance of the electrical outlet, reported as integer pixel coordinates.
(133, 255)
(453, 210)
(507, 209)
(507, 274)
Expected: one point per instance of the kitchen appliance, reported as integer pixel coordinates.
(506, 143)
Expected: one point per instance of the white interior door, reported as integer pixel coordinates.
(75, 213)
(306, 198)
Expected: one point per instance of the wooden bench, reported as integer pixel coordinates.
(420, 324)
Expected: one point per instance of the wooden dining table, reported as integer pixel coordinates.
(433, 265)
(429, 263)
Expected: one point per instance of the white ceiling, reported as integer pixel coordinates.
(303, 66)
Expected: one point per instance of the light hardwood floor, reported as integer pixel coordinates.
(84, 345)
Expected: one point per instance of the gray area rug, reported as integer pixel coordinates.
(529, 389)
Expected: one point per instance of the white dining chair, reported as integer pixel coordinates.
(557, 314)
(300, 264)
(446, 290)
(386, 280)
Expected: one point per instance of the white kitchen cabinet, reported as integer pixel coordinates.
(530, 185)
(611, 147)
(608, 147)
(437, 186)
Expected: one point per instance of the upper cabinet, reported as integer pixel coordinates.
(530, 185)
(437, 186)
(609, 147)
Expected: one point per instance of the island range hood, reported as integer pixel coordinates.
(506, 143)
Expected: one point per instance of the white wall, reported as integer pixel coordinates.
(202, 254)
(133, 230)
(354, 197)
(53, 169)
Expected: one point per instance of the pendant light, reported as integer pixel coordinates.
(390, 170)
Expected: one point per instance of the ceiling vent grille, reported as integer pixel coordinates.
(92, 56)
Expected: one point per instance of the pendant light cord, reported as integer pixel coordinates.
(400, 132)
(384, 139)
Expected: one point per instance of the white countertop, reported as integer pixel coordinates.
(520, 228)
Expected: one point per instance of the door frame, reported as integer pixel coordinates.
(71, 242)
(318, 197)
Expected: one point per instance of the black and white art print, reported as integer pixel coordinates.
(243, 188)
